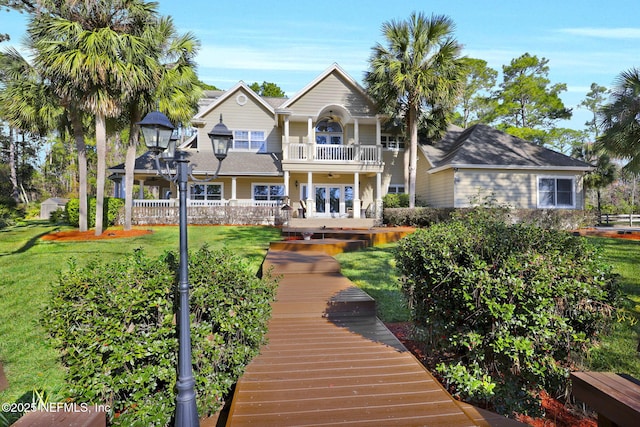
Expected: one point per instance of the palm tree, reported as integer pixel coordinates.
(174, 89)
(88, 46)
(26, 103)
(620, 121)
(418, 75)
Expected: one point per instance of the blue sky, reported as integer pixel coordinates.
(291, 42)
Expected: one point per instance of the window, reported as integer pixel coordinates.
(392, 142)
(556, 192)
(268, 192)
(206, 192)
(328, 132)
(249, 140)
(395, 189)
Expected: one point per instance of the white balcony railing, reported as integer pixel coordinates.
(336, 153)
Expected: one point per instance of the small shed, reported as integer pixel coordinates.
(51, 205)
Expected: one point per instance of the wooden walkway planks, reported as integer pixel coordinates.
(330, 361)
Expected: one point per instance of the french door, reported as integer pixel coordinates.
(331, 200)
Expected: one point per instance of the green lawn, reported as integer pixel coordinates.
(373, 270)
(28, 266)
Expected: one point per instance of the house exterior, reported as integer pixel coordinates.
(325, 154)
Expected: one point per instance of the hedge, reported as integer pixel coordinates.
(115, 327)
(112, 207)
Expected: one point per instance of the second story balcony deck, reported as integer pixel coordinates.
(334, 153)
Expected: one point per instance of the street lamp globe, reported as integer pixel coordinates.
(221, 138)
(156, 130)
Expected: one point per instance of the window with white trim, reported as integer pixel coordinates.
(205, 192)
(268, 192)
(328, 132)
(395, 189)
(392, 142)
(249, 140)
(556, 192)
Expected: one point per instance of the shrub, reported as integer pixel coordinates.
(393, 200)
(515, 305)
(114, 324)
(111, 208)
(417, 217)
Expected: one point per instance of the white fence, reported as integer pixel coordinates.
(622, 219)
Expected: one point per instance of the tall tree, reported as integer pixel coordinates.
(173, 87)
(267, 89)
(620, 120)
(26, 104)
(418, 74)
(475, 101)
(89, 45)
(593, 102)
(527, 102)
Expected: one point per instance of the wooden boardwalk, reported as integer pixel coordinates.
(330, 361)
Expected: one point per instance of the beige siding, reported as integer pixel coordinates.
(250, 116)
(333, 90)
(517, 189)
(439, 189)
(393, 169)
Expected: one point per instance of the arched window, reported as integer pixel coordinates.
(328, 132)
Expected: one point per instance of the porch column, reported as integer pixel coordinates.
(378, 131)
(378, 195)
(141, 189)
(356, 131)
(233, 191)
(309, 202)
(310, 140)
(286, 184)
(285, 149)
(356, 195)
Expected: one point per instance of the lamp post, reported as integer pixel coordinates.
(157, 130)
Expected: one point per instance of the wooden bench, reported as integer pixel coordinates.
(615, 397)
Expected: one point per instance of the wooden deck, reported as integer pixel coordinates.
(330, 361)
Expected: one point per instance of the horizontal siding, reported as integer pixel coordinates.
(439, 189)
(333, 90)
(250, 116)
(517, 189)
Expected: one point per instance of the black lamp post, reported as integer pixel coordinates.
(157, 129)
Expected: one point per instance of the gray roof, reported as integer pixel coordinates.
(483, 145)
(237, 163)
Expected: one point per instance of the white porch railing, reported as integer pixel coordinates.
(336, 152)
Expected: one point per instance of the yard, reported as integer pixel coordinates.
(30, 264)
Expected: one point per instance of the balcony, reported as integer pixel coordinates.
(356, 153)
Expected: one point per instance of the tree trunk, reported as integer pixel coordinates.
(101, 151)
(413, 154)
(78, 135)
(15, 191)
(129, 166)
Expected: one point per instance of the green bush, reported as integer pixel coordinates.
(115, 327)
(112, 207)
(516, 305)
(417, 217)
(393, 200)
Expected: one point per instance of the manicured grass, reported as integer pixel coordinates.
(29, 266)
(373, 270)
(618, 350)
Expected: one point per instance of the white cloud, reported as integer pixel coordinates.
(604, 33)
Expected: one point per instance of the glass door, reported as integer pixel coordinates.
(333, 200)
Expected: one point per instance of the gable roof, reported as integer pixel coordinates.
(334, 68)
(205, 110)
(482, 146)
